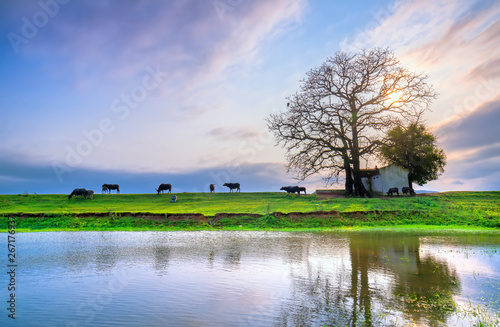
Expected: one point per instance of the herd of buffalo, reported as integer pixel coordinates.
(233, 187)
(405, 190)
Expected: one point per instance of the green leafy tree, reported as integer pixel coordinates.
(415, 149)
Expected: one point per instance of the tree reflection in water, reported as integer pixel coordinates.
(263, 278)
(386, 282)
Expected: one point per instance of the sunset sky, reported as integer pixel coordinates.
(146, 92)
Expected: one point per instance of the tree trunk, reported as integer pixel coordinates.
(354, 252)
(410, 183)
(348, 177)
(359, 188)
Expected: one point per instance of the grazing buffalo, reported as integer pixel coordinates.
(104, 189)
(212, 188)
(78, 191)
(164, 187)
(110, 187)
(408, 190)
(232, 186)
(393, 190)
(293, 189)
(89, 194)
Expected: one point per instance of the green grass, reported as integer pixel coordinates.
(484, 203)
(205, 203)
(454, 209)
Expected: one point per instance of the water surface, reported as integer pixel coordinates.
(254, 279)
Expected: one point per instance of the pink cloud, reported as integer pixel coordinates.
(457, 44)
(230, 133)
(245, 32)
(114, 40)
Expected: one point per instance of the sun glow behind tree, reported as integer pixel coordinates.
(342, 110)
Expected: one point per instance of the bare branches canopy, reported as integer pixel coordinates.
(342, 111)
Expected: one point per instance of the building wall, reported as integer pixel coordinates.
(377, 183)
(391, 176)
(373, 184)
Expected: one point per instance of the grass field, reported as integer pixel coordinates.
(480, 209)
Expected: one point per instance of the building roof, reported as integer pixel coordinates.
(375, 171)
(369, 172)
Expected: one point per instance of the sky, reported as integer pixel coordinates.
(140, 92)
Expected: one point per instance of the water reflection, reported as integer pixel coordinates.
(161, 256)
(424, 286)
(386, 278)
(257, 279)
(232, 256)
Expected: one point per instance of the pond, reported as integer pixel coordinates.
(370, 278)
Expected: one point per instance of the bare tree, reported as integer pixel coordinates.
(342, 111)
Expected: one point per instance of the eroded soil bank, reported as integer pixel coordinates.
(196, 221)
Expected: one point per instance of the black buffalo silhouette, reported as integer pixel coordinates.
(393, 190)
(232, 186)
(212, 188)
(164, 187)
(78, 192)
(293, 189)
(89, 194)
(408, 190)
(109, 187)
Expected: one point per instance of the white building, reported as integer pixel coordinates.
(382, 179)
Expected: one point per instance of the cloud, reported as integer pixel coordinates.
(490, 69)
(19, 176)
(91, 54)
(456, 44)
(406, 24)
(100, 49)
(473, 130)
(189, 39)
(247, 31)
(474, 31)
(472, 145)
(231, 133)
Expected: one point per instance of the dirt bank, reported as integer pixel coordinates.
(198, 217)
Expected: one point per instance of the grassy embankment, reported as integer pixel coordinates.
(256, 211)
